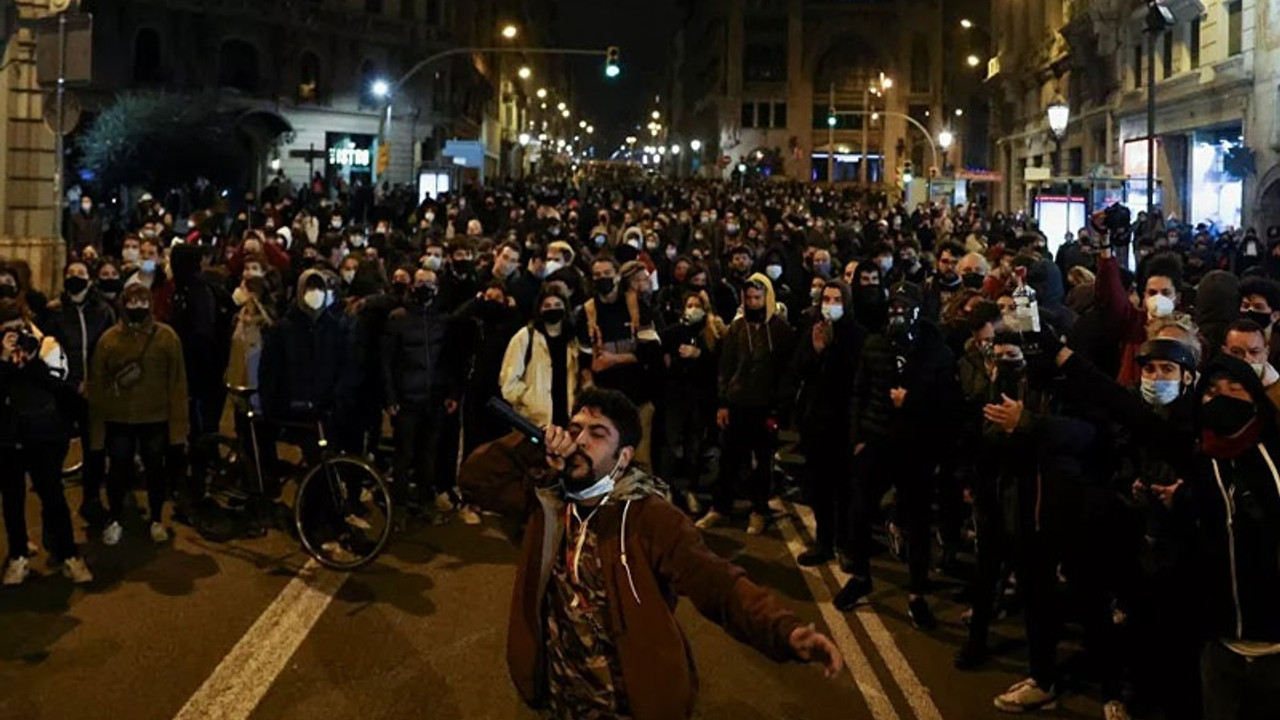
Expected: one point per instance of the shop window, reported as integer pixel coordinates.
(1193, 44)
(748, 115)
(238, 66)
(309, 78)
(1235, 27)
(146, 57)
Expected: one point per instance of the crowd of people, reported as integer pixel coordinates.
(1123, 481)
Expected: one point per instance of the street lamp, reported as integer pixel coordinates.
(524, 138)
(675, 149)
(510, 31)
(381, 89)
(542, 93)
(561, 107)
(655, 115)
(582, 124)
(1059, 115)
(973, 61)
(695, 145)
(966, 23)
(945, 138)
(525, 73)
(591, 129)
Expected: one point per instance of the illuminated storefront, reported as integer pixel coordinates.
(1216, 196)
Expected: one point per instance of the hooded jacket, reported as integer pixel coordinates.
(1217, 306)
(755, 357)
(305, 366)
(419, 358)
(926, 370)
(651, 554)
(824, 381)
(1234, 503)
(1046, 279)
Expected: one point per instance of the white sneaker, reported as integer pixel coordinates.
(756, 524)
(710, 520)
(1115, 710)
(444, 502)
(159, 534)
(18, 570)
(1026, 696)
(469, 515)
(337, 553)
(111, 533)
(75, 569)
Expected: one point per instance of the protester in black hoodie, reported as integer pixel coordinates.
(826, 364)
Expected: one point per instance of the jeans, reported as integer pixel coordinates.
(416, 433)
(150, 441)
(1236, 687)
(746, 438)
(877, 467)
(93, 465)
(829, 485)
(43, 460)
(686, 416)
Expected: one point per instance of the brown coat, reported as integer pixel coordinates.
(661, 558)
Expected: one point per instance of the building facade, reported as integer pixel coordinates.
(1217, 93)
(756, 80)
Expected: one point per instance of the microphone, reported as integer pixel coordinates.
(518, 422)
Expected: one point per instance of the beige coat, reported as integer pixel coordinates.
(529, 389)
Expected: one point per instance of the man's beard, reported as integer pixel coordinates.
(580, 473)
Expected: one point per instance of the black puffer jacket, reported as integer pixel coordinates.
(34, 404)
(77, 328)
(416, 365)
(925, 368)
(305, 366)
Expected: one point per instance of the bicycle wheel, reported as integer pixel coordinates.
(343, 513)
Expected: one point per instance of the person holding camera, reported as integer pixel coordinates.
(137, 406)
(36, 421)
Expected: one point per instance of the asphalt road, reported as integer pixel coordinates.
(247, 629)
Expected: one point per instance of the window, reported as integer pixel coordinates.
(1193, 44)
(1166, 54)
(1075, 161)
(763, 112)
(748, 115)
(1235, 27)
(238, 66)
(146, 57)
(846, 119)
(780, 115)
(1137, 65)
(764, 63)
(309, 78)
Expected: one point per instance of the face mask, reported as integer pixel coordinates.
(1263, 319)
(605, 286)
(76, 285)
(814, 294)
(694, 316)
(603, 486)
(949, 279)
(822, 268)
(899, 326)
(129, 255)
(348, 276)
(731, 228)
(833, 312)
(671, 253)
(972, 280)
(255, 273)
(1011, 366)
(314, 298)
(633, 243)
(1160, 392)
(356, 242)
(552, 316)
(110, 286)
(651, 247)
(432, 263)
(463, 267)
(86, 207)
(1226, 416)
(148, 266)
(1159, 306)
(600, 240)
(1259, 368)
(137, 315)
(885, 265)
(773, 271)
(553, 266)
(424, 294)
(754, 315)
(240, 296)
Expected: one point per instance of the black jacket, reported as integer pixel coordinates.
(824, 381)
(925, 368)
(416, 365)
(754, 362)
(305, 365)
(34, 405)
(77, 328)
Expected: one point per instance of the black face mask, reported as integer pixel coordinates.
(754, 315)
(424, 294)
(1263, 319)
(552, 316)
(605, 286)
(137, 316)
(75, 284)
(972, 280)
(1011, 367)
(1225, 416)
(111, 286)
(400, 289)
(8, 291)
(463, 267)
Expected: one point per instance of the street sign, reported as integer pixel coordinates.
(77, 53)
(71, 112)
(384, 157)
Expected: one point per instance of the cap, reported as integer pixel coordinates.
(907, 293)
(1169, 350)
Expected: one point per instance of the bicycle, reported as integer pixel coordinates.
(342, 508)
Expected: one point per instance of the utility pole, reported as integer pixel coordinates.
(866, 137)
(831, 136)
(1151, 121)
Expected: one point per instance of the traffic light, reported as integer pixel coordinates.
(611, 67)
(907, 172)
(832, 120)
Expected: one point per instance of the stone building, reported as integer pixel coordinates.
(1217, 95)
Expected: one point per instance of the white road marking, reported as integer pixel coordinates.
(243, 677)
(864, 676)
(917, 695)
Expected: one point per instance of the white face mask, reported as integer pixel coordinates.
(1159, 306)
(773, 271)
(433, 263)
(603, 486)
(240, 296)
(129, 255)
(314, 298)
(553, 265)
(1259, 368)
(348, 276)
(1160, 392)
(833, 312)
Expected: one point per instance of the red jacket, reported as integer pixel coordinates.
(1129, 322)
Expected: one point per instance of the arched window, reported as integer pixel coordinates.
(309, 78)
(238, 66)
(146, 57)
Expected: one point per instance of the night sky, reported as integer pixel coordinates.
(642, 29)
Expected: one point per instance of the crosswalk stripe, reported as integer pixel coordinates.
(864, 676)
(245, 675)
(917, 695)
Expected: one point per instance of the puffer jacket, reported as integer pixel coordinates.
(926, 370)
(78, 327)
(528, 386)
(416, 362)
